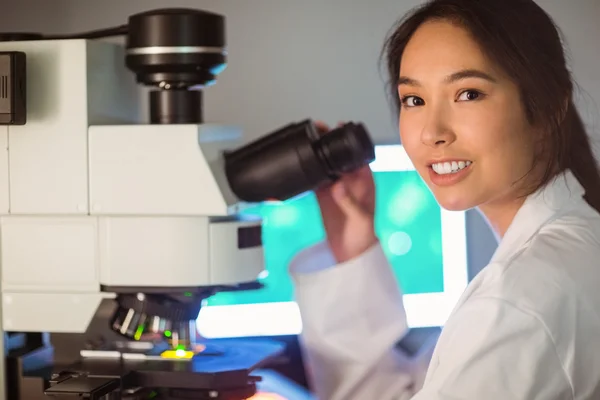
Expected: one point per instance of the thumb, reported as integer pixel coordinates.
(344, 199)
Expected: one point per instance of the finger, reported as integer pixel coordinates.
(321, 126)
(361, 186)
(346, 202)
(363, 172)
(361, 177)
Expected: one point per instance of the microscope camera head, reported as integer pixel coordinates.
(177, 52)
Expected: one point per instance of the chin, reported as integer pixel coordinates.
(456, 202)
(459, 197)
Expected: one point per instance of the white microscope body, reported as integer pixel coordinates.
(90, 199)
(98, 207)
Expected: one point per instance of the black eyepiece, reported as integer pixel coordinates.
(296, 159)
(346, 148)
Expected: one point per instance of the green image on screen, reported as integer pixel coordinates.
(408, 223)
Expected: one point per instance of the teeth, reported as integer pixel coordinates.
(450, 167)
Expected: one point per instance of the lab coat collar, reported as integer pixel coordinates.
(539, 209)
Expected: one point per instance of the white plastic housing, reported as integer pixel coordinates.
(71, 85)
(161, 169)
(88, 200)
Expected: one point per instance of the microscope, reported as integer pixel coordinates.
(114, 231)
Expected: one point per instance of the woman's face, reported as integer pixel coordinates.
(462, 122)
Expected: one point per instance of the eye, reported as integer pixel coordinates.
(469, 95)
(412, 101)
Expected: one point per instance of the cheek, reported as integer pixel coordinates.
(410, 138)
(496, 136)
(410, 131)
(489, 129)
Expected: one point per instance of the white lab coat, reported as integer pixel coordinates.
(526, 328)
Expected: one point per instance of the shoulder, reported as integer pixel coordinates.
(559, 268)
(550, 286)
(489, 337)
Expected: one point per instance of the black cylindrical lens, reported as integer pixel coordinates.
(296, 159)
(278, 166)
(176, 107)
(346, 148)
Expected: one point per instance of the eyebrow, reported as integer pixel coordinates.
(457, 76)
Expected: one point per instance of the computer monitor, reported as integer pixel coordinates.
(426, 247)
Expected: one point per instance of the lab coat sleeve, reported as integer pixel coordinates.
(352, 316)
(494, 350)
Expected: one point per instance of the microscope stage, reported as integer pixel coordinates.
(222, 366)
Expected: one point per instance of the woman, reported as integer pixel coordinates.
(486, 114)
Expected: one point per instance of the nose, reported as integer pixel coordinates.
(437, 131)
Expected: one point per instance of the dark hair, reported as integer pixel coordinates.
(519, 37)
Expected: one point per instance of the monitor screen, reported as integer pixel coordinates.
(425, 245)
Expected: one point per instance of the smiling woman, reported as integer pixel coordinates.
(486, 115)
(464, 109)
(471, 84)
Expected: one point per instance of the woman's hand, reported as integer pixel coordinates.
(348, 212)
